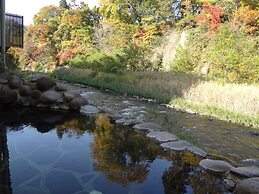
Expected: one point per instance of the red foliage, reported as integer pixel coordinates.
(211, 16)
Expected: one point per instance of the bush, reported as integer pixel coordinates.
(16, 58)
(135, 58)
(234, 56)
(98, 61)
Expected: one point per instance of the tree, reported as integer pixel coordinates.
(63, 4)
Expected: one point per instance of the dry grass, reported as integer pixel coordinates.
(236, 98)
(167, 86)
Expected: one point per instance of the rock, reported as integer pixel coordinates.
(5, 75)
(229, 183)
(162, 136)
(248, 171)
(68, 96)
(132, 122)
(145, 127)
(218, 166)
(24, 90)
(120, 121)
(248, 186)
(42, 105)
(89, 109)
(182, 145)
(35, 94)
(26, 82)
(14, 81)
(197, 151)
(8, 96)
(114, 117)
(54, 107)
(64, 107)
(60, 88)
(45, 83)
(3, 81)
(77, 102)
(251, 162)
(49, 97)
(254, 133)
(23, 101)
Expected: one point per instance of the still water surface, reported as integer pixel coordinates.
(58, 153)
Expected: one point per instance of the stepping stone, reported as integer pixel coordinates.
(218, 166)
(132, 122)
(249, 171)
(120, 121)
(248, 186)
(162, 136)
(88, 109)
(145, 127)
(251, 162)
(182, 145)
(197, 151)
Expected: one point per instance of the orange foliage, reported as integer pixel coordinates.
(211, 17)
(247, 17)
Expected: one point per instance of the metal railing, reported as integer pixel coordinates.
(14, 30)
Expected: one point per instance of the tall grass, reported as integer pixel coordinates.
(227, 102)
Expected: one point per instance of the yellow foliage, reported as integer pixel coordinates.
(247, 17)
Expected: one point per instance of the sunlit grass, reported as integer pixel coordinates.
(236, 103)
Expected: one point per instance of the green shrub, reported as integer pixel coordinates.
(136, 58)
(234, 57)
(98, 61)
(16, 58)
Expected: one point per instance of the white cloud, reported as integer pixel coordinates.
(28, 8)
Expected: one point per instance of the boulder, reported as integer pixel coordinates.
(60, 88)
(68, 96)
(14, 81)
(3, 81)
(218, 166)
(8, 96)
(35, 94)
(77, 102)
(49, 97)
(45, 83)
(248, 186)
(24, 90)
(23, 101)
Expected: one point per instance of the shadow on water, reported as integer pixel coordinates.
(55, 152)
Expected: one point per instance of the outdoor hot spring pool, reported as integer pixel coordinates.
(59, 153)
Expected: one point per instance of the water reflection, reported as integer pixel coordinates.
(185, 177)
(5, 182)
(71, 153)
(123, 155)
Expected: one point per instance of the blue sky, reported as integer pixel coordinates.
(28, 8)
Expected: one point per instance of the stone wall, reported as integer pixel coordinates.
(42, 92)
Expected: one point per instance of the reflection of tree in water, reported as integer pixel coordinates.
(75, 127)
(123, 155)
(5, 182)
(185, 174)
